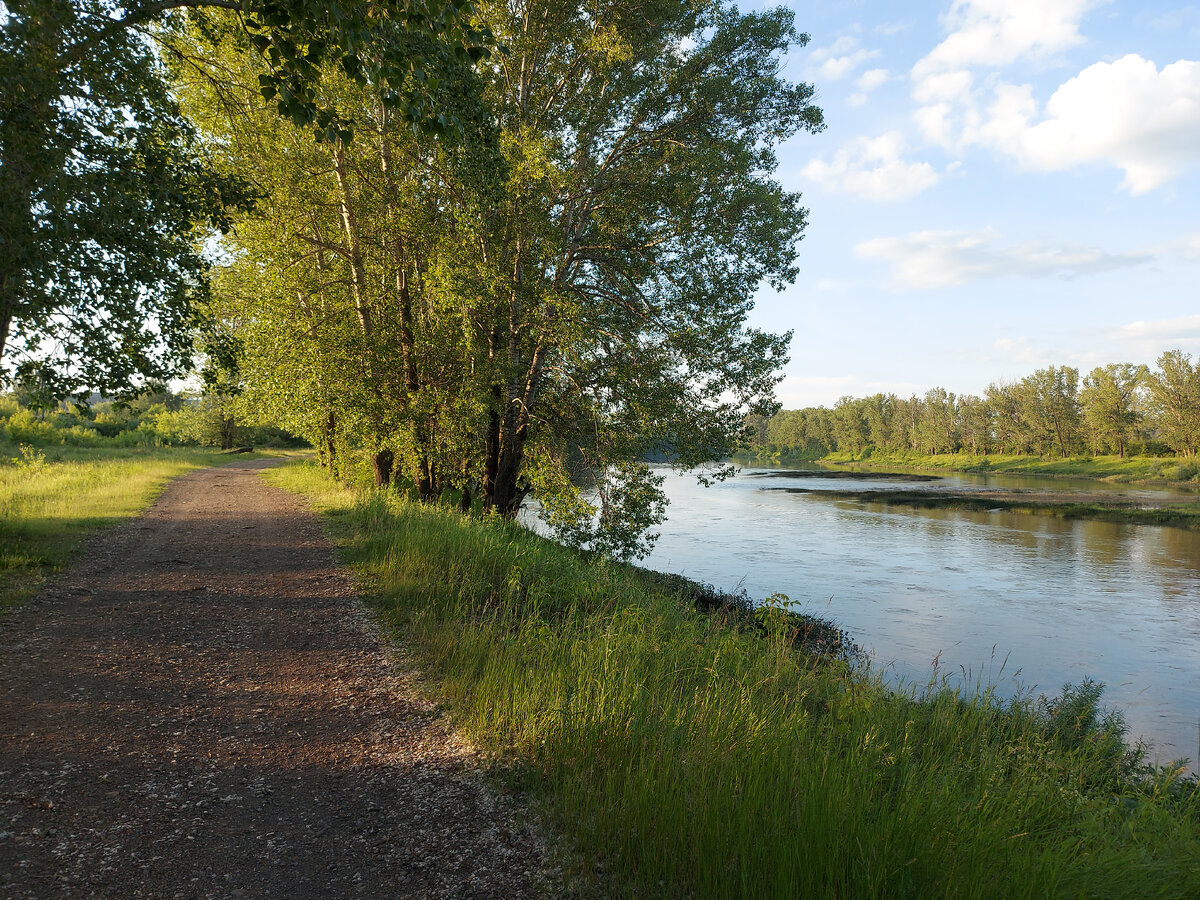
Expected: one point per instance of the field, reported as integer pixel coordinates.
(50, 498)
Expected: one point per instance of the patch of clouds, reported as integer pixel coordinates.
(1127, 113)
(1145, 340)
(841, 58)
(1181, 328)
(871, 79)
(1186, 247)
(1019, 350)
(873, 169)
(1175, 20)
(1000, 32)
(935, 259)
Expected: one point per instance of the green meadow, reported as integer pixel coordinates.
(50, 497)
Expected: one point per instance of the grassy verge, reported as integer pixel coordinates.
(688, 755)
(1117, 469)
(50, 498)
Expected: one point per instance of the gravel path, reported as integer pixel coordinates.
(201, 707)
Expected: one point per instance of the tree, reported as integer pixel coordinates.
(101, 281)
(1109, 404)
(975, 423)
(937, 427)
(1047, 409)
(104, 184)
(580, 314)
(1175, 389)
(636, 223)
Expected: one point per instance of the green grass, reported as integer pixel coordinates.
(686, 756)
(1118, 469)
(49, 499)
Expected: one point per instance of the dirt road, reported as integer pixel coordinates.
(201, 708)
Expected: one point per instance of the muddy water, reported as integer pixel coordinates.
(1027, 602)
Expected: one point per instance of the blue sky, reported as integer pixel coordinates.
(1003, 185)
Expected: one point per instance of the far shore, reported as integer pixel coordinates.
(1106, 505)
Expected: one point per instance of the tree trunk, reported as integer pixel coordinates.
(382, 462)
(330, 445)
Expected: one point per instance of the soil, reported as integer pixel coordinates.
(201, 707)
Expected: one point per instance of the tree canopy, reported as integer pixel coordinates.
(561, 299)
(1049, 412)
(107, 191)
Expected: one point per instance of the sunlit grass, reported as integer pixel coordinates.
(50, 498)
(1151, 469)
(687, 757)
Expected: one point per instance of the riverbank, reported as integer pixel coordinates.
(688, 753)
(1148, 470)
(1106, 506)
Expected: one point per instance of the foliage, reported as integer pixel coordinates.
(687, 756)
(1119, 407)
(154, 419)
(102, 282)
(549, 306)
(1175, 389)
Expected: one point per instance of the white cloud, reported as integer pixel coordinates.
(1161, 331)
(871, 79)
(1019, 350)
(1186, 247)
(840, 58)
(871, 168)
(1126, 113)
(1000, 32)
(933, 259)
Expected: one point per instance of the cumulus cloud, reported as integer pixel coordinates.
(1000, 32)
(1126, 113)
(872, 168)
(933, 259)
(840, 58)
(871, 79)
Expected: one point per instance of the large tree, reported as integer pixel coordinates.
(1110, 405)
(1175, 392)
(638, 220)
(577, 302)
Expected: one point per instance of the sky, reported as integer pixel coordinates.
(1002, 185)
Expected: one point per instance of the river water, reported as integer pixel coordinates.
(1024, 602)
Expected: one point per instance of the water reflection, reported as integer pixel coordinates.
(1026, 601)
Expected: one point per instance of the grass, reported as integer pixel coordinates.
(686, 754)
(50, 499)
(1175, 515)
(1116, 469)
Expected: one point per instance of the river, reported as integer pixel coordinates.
(1024, 602)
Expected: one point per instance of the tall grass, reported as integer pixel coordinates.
(49, 500)
(688, 756)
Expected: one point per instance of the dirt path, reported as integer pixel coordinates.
(201, 708)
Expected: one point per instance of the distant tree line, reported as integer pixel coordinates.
(1117, 409)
